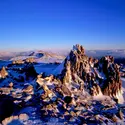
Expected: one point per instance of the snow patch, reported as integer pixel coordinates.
(59, 69)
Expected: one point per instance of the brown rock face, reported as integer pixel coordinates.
(75, 63)
(18, 62)
(30, 60)
(95, 75)
(3, 73)
(112, 85)
(28, 89)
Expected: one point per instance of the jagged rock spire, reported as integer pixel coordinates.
(76, 63)
(112, 84)
(99, 76)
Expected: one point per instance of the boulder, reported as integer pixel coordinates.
(6, 106)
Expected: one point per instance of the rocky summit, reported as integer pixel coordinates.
(79, 90)
(97, 76)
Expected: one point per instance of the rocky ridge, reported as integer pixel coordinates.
(98, 76)
(81, 90)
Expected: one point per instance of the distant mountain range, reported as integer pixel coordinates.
(40, 55)
(120, 53)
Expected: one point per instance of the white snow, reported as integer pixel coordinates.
(47, 68)
(123, 89)
(100, 74)
(40, 57)
(120, 95)
(59, 69)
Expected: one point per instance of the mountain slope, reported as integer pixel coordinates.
(39, 56)
(99, 76)
(80, 90)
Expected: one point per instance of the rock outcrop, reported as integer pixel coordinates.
(30, 71)
(18, 62)
(98, 76)
(112, 84)
(83, 90)
(6, 106)
(3, 73)
(30, 60)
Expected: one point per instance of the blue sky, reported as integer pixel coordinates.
(58, 24)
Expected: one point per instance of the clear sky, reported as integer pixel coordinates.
(58, 24)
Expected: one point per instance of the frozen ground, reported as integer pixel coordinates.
(47, 68)
(33, 111)
(123, 87)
